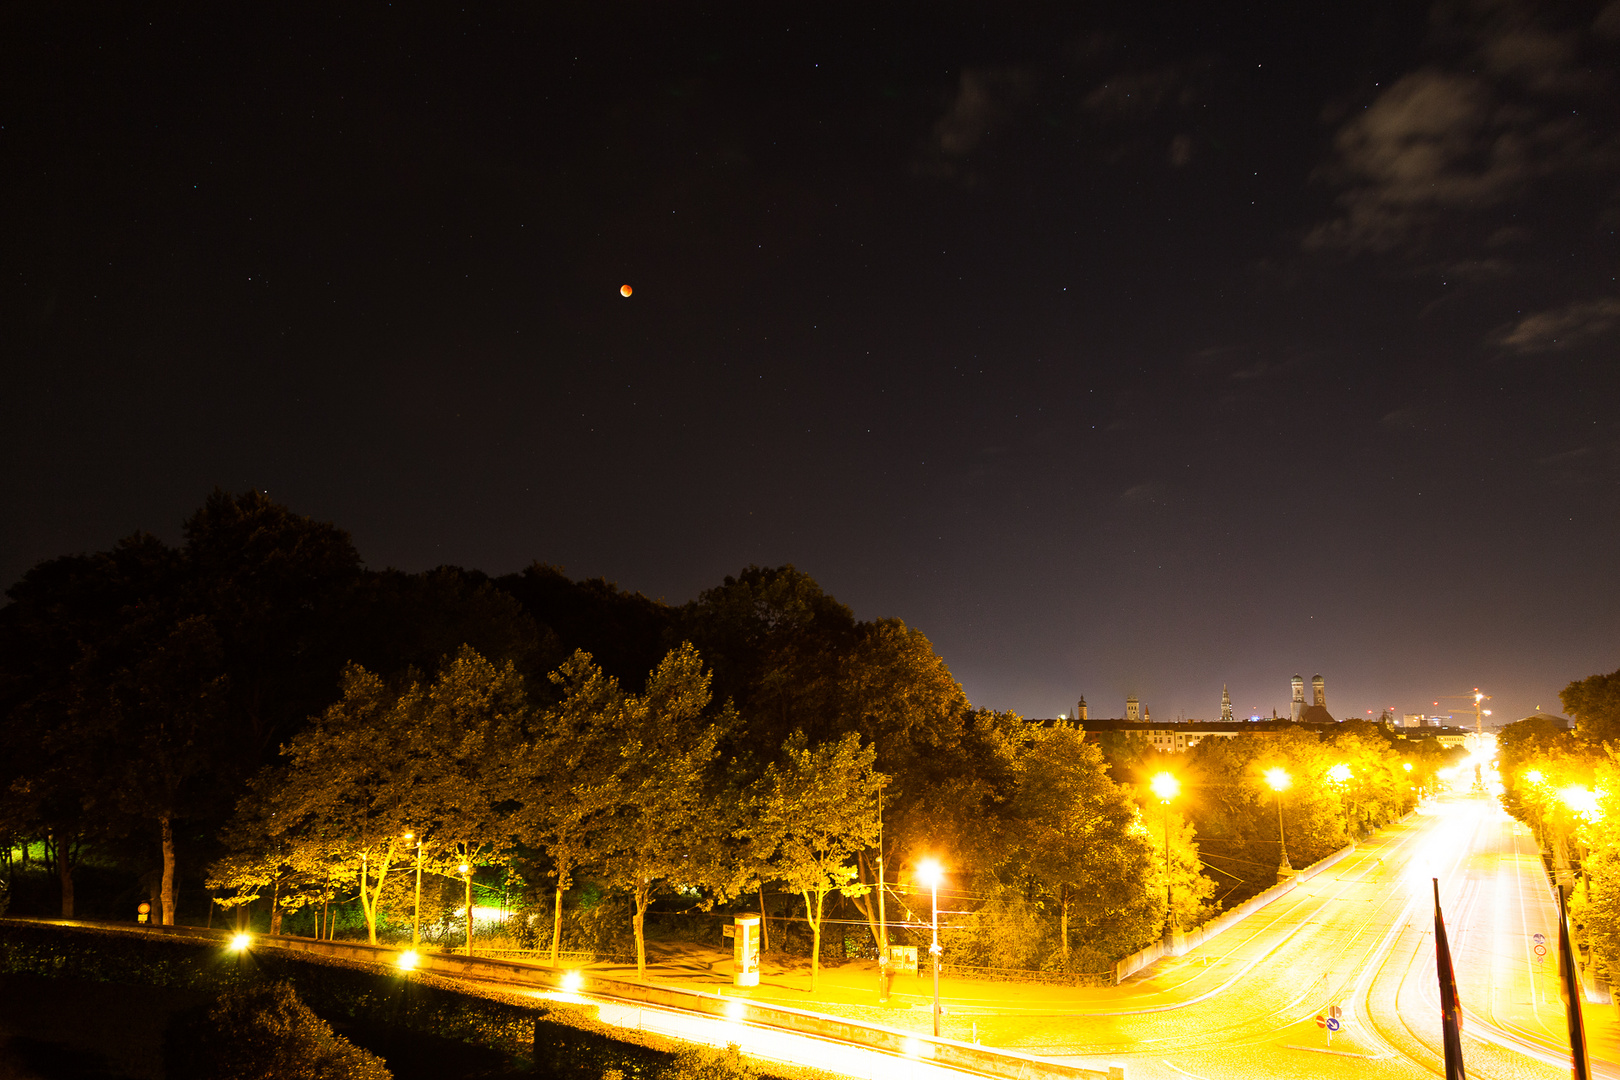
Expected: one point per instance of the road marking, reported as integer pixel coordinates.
(1341, 1053)
(1184, 1072)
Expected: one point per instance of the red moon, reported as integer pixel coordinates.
(624, 290)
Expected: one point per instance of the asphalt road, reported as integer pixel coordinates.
(1359, 936)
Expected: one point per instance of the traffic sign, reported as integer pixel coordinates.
(1333, 1023)
(1540, 951)
(1321, 1021)
(1539, 939)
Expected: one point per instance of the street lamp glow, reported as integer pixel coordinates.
(1165, 786)
(1581, 800)
(573, 982)
(408, 960)
(240, 942)
(930, 873)
(1534, 776)
(1407, 766)
(463, 869)
(1340, 773)
(1278, 779)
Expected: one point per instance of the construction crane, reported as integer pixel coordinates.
(1478, 699)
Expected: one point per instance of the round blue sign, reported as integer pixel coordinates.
(1333, 1023)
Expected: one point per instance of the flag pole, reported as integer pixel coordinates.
(1450, 1005)
(1570, 985)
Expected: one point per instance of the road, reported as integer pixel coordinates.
(1360, 936)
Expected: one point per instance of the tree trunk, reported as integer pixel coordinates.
(64, 871)
(1063, 904)
(167, 896)
(813, 917)
(556, 925)
(764, 923)
(643, 898)
(865, 903)
(275, 905)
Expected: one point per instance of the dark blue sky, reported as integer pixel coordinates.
(1122, 352)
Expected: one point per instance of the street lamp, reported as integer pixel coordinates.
(1279, 781)
(466, 876)
(1167, 787)
(929, 872)
(1340, 774)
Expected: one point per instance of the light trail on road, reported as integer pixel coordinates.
(1359, 936)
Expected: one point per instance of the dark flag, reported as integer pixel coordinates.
(1450, 1006)
(1570, 984)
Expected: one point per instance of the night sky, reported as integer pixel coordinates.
(1122, 348)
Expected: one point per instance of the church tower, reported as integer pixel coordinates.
(1133, 710)
(1080, 709)
(1226, 704)
(1299, 698)
(1318, 691)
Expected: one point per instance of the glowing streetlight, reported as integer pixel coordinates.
(930, 873)
(240, 943)
(1582, 801)
(573, 982)
(408, 960)
(1407, 766)
(1279, 781)
(1167, 787)
(1534, 776)
(1339, 774)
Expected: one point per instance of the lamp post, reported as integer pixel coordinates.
(1341, 775)
(1279, 781)
(1167, 787)
(929, 873)
(466, 877)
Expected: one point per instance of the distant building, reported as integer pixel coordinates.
(1080, 709)
(1176, 736)
(1226, 705)
(1316, 712)
(1133, 711)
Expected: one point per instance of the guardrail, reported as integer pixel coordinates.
(967, 1057)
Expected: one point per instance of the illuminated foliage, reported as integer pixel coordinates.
(809, 816)
(1086, 843)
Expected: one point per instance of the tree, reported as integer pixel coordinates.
(1085, 840)
(659, 830)
(1594, 703)
(58, 652)
(953, 767)
(810, 815)
(167, 707)
(387, 773)
(561, 781)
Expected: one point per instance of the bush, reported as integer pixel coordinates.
(708, 1063)
(262, 1032)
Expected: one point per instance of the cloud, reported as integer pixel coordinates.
(1149, 494)
(1405, 417)
(1450, 140)
(1560, 328)
(1138, 94)
(985, 97)
(1433, 141)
